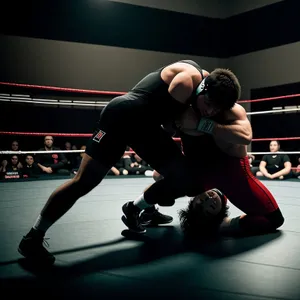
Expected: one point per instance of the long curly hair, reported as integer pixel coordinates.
(196, 223)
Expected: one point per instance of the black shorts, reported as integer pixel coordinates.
(128, 121)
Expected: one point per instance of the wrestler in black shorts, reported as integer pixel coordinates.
(135, 119)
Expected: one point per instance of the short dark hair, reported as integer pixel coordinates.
(196, 224)
(223, 88)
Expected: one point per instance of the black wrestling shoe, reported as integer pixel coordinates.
(131, 218)
(152, 217)
(31, 247)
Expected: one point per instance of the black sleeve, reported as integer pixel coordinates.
(285, 158)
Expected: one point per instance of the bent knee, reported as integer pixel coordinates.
(278, 222)
(276, 218)
(156, 176)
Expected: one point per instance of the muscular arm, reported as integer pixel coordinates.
(238, 131)
(181, 87)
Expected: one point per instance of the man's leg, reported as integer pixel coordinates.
(104, 149)
(246, 192)
(89, 175)
(253, 224)
(150, 216)
(178, 179)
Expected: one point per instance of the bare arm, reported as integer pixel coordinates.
(238, 131)
(181, 87)
(262, 168)
(285, 171)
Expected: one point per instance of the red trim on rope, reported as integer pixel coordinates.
(270, 98)
(95, 92)
(45, 133)
(277, 139)
(58, 89)
(89, 135)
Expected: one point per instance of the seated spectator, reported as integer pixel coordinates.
(114, 172)
(52, 163)
(12, 169)
(297, 171)
(30, 169)
(148, 171)
(275, 166)
(7, 158)
(132, 166)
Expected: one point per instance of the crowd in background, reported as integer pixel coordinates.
(14, 166)
(38, 165)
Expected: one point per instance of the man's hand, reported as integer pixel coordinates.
(268, 175)
(206, 125)
(47, 170)
(188, 122)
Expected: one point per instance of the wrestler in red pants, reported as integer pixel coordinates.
(231, 174)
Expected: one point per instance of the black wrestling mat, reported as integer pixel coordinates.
(95, 261)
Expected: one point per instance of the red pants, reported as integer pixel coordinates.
(233, 177)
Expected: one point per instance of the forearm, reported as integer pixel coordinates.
(234, 134)
(282, 172)
(237, 133)
(263, 170)
(40, 166)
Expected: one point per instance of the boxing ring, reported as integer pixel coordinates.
(95, 261)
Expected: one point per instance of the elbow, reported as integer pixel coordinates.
(246, 139)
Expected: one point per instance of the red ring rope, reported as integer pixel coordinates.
(59, 89)
(89, 135)
(95, 92)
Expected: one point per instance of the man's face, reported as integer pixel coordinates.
(208, 203)
(206, 107)
(14, 146)
(48, 141)
(29, 160)
(14, 160)
(68, 146)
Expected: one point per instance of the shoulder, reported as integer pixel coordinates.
(238, 112)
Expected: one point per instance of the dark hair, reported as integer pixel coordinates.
(196, 224)
(223, 88)
(278, 143)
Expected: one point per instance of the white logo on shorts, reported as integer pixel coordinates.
(97, 138)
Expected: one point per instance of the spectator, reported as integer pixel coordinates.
(275, 165)
(11, 169)
(297, 171)
(52, 163)
(7, 158)
(30, 168)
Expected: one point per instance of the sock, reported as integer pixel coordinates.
(141, 203)
(41, 224)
